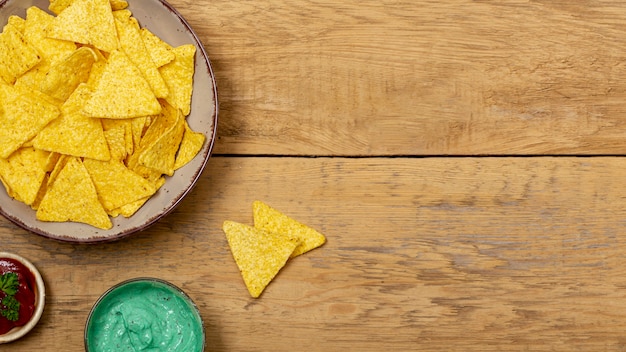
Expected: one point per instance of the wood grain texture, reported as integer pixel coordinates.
(321, 77)
(429, 254)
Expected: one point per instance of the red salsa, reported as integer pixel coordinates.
(23, 292)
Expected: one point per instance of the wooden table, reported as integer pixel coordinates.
(464, 159)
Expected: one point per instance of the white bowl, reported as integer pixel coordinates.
(40, 300)
(163, 20)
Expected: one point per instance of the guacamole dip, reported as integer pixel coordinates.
(144, 315)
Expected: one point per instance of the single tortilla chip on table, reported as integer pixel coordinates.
(260, 255)
(272, 220)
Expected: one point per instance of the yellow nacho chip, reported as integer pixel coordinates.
(129, 209)
(118, 5)
(24, 172)
(56, 6)
(270, 219)
(74, 133)
(189, 147)
(116, 184)
(52, 50)
(122, 91)
(72, 197)
(132, 44)
(17, 22)
(63, 78)
(16, 55)
(178, 76)
(160, 154)
(86, 22)
(161, 52)
(115, 137)
(260, 255)
(22, 116)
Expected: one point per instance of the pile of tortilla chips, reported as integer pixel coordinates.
(93, 111)
(263, 250)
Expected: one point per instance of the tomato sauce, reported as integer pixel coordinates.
(25, 294)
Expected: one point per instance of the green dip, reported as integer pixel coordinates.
(144, 315)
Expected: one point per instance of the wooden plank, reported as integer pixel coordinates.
(429, 254)
(321, 77)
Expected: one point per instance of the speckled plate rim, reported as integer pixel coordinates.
(158, 281)
(40, 299)
(165, 21)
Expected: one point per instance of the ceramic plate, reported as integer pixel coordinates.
(163, 20)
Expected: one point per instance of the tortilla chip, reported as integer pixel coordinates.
(271, 220)
(132, 44)
(56, 6)
(96, 69)
(118, 4)
(51, 50)
(129, 209)
(178, 76)
(260, 255)
(24, 172)
(122, 91)
(16, 55)
(72, 197)
(159, 145)
(116, 184)
(17, 22)
(22, 116)
(62, 78)
(58, 166)
(86, 22)
(161, 52)
(189, 147)
(74, 133)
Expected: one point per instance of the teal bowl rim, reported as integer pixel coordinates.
(185, 296)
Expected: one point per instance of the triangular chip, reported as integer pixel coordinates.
(35, 32)
(86, 22)
(56, 6)
(118, 4)
(161, 154)
(132, 44)
(17, 22)
(24, 172)
(189, 147)
(72, 197)
(16, 55)
(270, 219)
(260, 255)
(129, 209)
(63, 77)
(117, 185)
(122, 91)
(161, 52)
(22, 116)
(178, 76)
